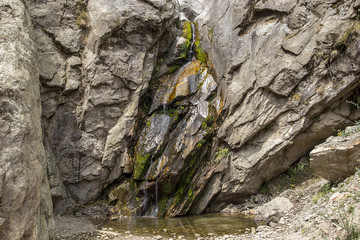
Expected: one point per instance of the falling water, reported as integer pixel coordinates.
(146, 197)
(164, 108)
(156, 197)
(154, 211)
(191, 52)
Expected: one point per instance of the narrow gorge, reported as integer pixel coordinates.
(164, 108)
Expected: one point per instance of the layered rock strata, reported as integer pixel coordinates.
(127, 108)
(286, 69)
(338, 157)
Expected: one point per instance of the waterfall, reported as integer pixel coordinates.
(191, 52)
(145, 203)
(156, 197)
(164, 108)
(150, 205)
(147, 199)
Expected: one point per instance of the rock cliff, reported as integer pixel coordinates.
(286, 69)
(25, 200)
(175, 107)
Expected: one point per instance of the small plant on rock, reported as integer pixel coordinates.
(222, 152)
(325, 190)
(349, 225)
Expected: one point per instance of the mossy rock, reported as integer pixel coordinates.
(141, 165)
(187, 34)
(82, 18)
(201, 55)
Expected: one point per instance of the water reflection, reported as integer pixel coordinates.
(217, 224)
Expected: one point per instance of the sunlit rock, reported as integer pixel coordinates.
(338, 157)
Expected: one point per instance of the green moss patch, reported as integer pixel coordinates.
(207, 124)
(200, 53)
(141, 165)
(82, 18)
(187, 32)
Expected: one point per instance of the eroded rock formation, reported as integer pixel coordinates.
(176, 107)
(338, 157)
(96, 60)
(286, 69)
(25, 200)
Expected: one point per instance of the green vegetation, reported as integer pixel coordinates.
(347, 222)
(354, 104)
(347, 132)
(172, 69)
(141, 165)
(162, 206)
(82, 18)
(343, 40)
(174, 113)
(293, 171)
(212, 96)
(264, 190)
(184, 50)
(187, 34)
(200, 144)
(221, 152)
(148, 123)
(179, 194)
(207, 123)
(200, 53)
(154, 83)
(190, 194)
(325, 190)
(295, 176)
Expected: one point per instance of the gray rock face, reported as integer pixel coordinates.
(285, 69)
(275, 209)
(26, 208)
(338, 157)
(96, 59)
(282, 71)
(192, 8)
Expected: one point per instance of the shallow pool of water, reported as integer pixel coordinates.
(190, 227)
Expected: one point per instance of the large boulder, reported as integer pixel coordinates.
(338, 157)
(274, 210)
(25, 200)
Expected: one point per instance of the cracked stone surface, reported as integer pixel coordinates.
(26, 206)
(274, 84)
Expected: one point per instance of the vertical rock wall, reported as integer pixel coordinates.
(123, 102)
(25, 201)
(96, 60)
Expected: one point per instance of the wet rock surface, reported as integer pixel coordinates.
(318, 210)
